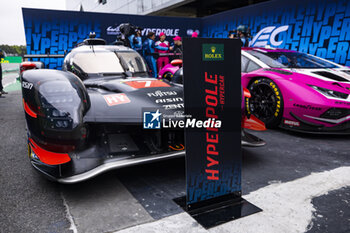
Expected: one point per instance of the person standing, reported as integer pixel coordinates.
(162, 61)
(243, 33)
(2, 55)
(177, 47)
(136, 41)
(231, 35)
(149, 53)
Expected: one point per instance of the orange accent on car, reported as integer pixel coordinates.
(147, 84)
(253, 123)
(28, 110)
(48, 157)
(246, 93)
(180, 147)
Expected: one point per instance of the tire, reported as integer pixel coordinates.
(266, 102)
(168, 76)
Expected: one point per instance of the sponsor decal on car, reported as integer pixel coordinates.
(213, 52)
(308, 107)
(171, 103)
(116, 99)
(27, 85)
(278, 96)
(247, 107)
(160, 93)
(173, 106)
(169, 100)
(342, 103)
(291, 123)
(147, 84)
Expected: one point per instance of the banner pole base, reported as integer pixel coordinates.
(218, 212)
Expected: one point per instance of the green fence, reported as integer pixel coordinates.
(11, 59)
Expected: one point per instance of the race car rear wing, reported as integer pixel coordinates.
(29, 65)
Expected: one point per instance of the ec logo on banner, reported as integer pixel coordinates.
(268, 36)
(151, 120)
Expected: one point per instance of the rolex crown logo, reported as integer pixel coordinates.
(213, 49)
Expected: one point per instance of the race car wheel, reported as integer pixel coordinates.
(168, 76)
(266, 101)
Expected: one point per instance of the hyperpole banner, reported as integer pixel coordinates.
(212, 93)
(212, 86)
(58, 32)
(297, 25)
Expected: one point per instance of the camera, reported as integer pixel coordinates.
(125, 31)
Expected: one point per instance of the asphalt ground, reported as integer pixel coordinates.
(126, 198)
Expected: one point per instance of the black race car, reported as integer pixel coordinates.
(88, 118)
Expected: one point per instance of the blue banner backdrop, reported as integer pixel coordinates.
(54, 32)
(317, 27)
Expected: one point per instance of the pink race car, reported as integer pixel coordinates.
(296, 91)
(169, 70)
(173, 72)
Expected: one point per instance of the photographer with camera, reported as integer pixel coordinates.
(129, 36)
(135, 41)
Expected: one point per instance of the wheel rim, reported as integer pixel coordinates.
(263, 102)
(168, 76)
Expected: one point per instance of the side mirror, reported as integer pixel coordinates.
(176, 62)
(27, 66)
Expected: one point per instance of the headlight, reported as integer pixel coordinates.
(330, 93)
(59, 101)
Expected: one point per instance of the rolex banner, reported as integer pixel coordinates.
(212, 87)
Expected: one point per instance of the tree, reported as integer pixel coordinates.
(15, 50)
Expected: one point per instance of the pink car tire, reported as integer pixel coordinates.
(266, 102)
